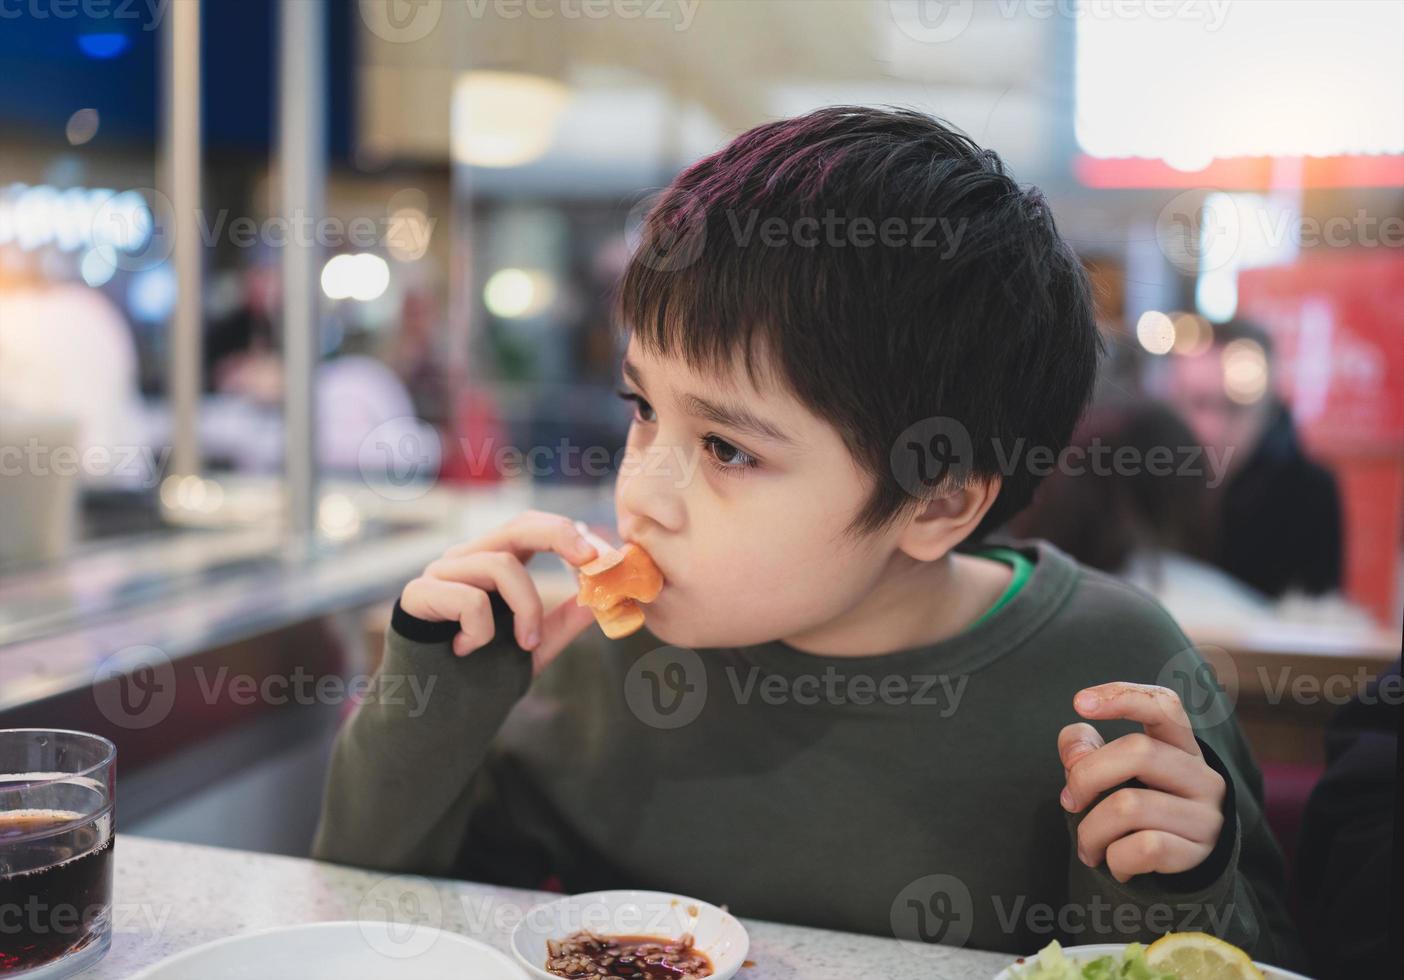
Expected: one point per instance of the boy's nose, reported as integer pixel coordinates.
(649, 489)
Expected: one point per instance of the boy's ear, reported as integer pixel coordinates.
(945, 521)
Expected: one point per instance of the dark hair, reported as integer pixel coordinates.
(973, 308)
(1101, 516)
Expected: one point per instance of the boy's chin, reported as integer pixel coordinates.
(675, 634)
(668, 633)
(694, 636)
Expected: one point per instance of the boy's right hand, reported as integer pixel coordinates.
(455, 588)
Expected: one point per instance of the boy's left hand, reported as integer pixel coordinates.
(1169, 826)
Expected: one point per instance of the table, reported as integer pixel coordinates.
(171, 896)
(1288, 679)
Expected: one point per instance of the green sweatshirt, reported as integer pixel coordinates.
(912, 793)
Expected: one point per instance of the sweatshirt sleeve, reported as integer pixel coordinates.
(409, 765)
(1235, 894)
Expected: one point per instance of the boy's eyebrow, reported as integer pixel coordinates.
(736, 417)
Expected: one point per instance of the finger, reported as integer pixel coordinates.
(531, 532)
(500, 572)
(438, 601)
(600, 545)
(1154, 850)
(1128, 811)
(1075, 741)
(563, 624)
(450, 602)
(1158, 708)
(1138, 756)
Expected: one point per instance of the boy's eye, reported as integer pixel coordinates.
(722, 455)
(727, 456)
(643, 411)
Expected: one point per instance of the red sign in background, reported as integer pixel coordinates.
(1337, 320)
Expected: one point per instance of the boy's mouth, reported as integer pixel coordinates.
(662, 566)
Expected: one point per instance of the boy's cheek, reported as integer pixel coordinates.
(729, 612)
(742, 611)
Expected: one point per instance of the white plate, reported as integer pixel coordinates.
(633, 913)
(1082, 954)
(339, 951)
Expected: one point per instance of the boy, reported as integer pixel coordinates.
(840, 327)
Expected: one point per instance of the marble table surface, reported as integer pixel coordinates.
(169, 897)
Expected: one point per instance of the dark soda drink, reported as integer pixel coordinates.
(61, 903)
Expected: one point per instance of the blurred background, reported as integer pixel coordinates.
(293, 294)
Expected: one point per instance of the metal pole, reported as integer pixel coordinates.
(302, 159)
(180, 180)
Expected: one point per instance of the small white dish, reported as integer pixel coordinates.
(716, 933)
(1085, 954)
(364, 950)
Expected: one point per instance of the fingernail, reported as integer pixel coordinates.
(532, 639)
(1082, 856)
(1086, 701)
(1066, 799)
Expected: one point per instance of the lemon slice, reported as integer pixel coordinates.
(1199, 956)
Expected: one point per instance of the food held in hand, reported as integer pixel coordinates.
(585, 954)
(615, 583)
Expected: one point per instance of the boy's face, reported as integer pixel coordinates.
(744, 524)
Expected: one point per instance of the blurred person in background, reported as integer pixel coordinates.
(67, 351)
(1345, 857)
(70, 408)
(1145, 520)
(412, 352)
(366, 419)
(1278, 513)
(240, 330)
